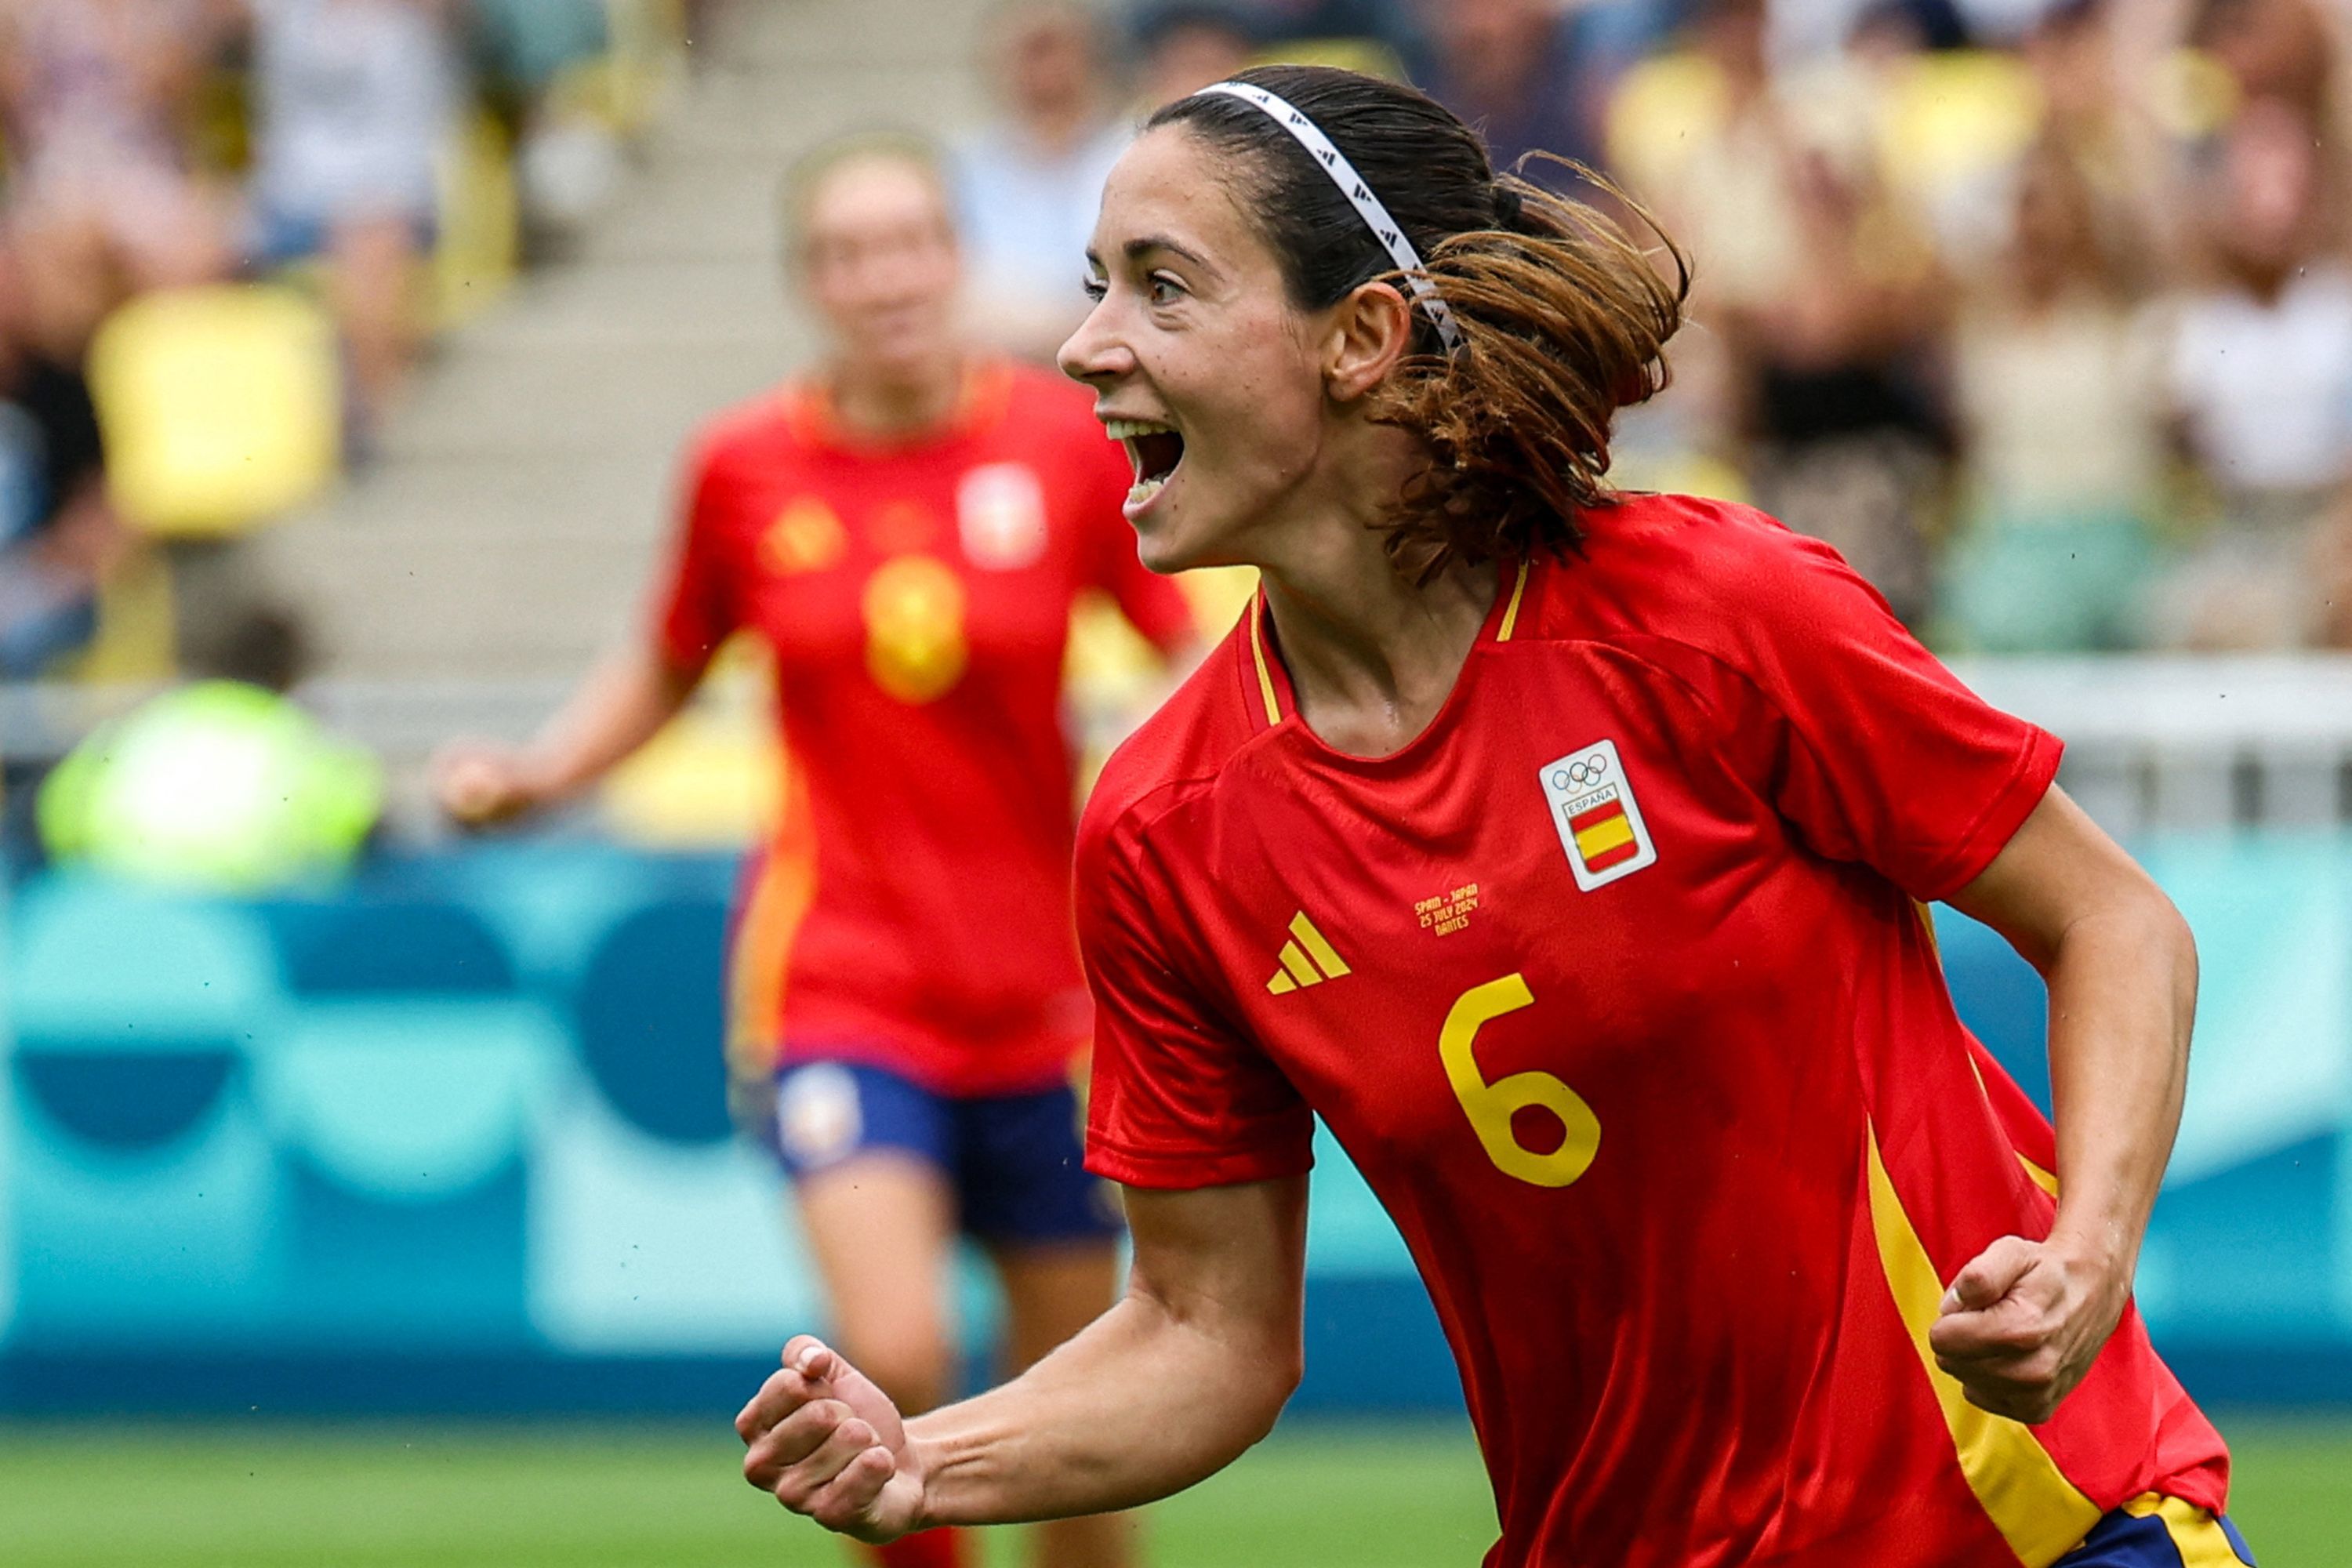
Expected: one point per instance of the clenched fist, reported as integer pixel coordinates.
(830, 1445)
(2022, 1324)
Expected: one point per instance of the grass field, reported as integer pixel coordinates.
(1315, 1497)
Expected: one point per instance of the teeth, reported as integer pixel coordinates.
(1129, 429)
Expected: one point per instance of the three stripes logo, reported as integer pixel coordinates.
(1307, 959)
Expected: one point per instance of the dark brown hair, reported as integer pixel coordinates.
(1564, 319)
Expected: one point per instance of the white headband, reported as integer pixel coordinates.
(1351, 184)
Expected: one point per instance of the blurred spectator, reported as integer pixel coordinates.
(1026, 186)
(2056, 385)
(58, 537)
(224, 784)
(2261, 374)
(2279, 49)
(103, 200)
(1532, 74)
(1388, 22)
(1183, 45)
(529, 57)
(1816, 290)
(353, 100)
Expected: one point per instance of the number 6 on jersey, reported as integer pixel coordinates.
(1489, 1106)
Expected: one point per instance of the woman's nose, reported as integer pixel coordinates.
(1092, 352)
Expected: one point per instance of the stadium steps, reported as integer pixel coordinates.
(506, 526)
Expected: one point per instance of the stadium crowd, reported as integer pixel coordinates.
(388, 160)
(2039, 309)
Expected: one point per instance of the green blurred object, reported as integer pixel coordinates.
(262, 1495)
(217, 786)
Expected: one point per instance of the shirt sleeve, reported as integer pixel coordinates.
(1870, 748)
(1177, 1099)
(696, 607)
(1154, 605)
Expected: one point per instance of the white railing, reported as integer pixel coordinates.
(2152, 743)
(2176, 743)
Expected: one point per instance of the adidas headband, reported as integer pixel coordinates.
(1385, 229)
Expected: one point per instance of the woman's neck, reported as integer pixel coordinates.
(891, 404)
(1371, 657)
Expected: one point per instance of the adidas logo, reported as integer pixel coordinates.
(1307, 959)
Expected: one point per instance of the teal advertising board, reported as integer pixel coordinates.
(455, 1136)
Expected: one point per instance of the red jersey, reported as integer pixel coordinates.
(913, 910)
(1613, 984)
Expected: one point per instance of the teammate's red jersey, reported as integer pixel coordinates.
(1614, 985)
(914, 909)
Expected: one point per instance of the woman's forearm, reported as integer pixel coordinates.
(624, 703)
(2123, 991)
(1140, 1404)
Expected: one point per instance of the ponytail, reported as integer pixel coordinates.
(1564, 322)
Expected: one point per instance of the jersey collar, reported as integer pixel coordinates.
(1268, 692)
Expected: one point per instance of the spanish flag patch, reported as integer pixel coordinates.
(1598, 820)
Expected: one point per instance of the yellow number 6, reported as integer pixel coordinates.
(1489, 1105)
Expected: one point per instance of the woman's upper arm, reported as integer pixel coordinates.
(1228, 1261)
(2058, 867)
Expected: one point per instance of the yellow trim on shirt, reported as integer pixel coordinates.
(2029, 1501)
(2200, 1541)
(1257, 651)
(1511, 610)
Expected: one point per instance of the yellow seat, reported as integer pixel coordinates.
(1955, 115)
(222, 408)
(478, 248)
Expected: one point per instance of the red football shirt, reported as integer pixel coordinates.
(1614, 985)
(914, 908)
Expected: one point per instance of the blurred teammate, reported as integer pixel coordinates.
(1560, 851)
(906, 531)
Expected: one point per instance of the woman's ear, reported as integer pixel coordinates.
(1371, 329)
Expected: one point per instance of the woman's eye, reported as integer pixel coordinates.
(1095, 288)
(1165, 290)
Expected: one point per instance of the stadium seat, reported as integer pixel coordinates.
(651, 1019)
(363, 946)
(478, 223)
(221, 407)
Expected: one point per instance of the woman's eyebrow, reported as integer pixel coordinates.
(1143, 245)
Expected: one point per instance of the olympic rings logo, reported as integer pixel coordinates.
(1582, 772)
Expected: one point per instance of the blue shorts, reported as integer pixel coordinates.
(2161, 1532)
(1015, 1162)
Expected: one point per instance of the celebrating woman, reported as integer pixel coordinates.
(1564, 851)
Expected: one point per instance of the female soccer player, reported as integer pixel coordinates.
(906, 531)
(1563, 851)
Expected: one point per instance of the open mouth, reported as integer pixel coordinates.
(1154, 448)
